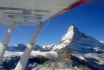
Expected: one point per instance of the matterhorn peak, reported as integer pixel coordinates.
(68, 37)
(72, 25)
(72, 31)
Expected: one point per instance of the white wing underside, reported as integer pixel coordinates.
(31, 12)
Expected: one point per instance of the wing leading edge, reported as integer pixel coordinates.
(32, 12)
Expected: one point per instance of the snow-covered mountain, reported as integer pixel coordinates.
(75, 51)
(78, 41)
(21, 47)
(84, 47)
(16, 48)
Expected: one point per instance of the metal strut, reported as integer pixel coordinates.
(5, 41)
(24, 59)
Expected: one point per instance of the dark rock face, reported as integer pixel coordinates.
(10, 63)
(81, 63)
(42, 48)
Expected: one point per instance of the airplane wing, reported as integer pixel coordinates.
(32, 12)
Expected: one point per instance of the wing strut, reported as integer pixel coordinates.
(5, 41)
(24, 59)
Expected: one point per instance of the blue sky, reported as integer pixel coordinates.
(87, 17)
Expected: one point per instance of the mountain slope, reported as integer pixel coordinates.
(78, 41)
